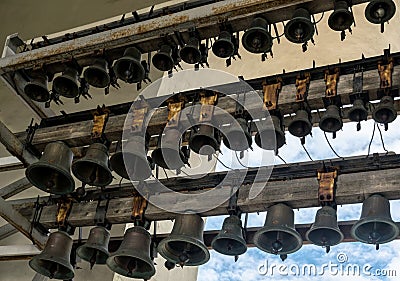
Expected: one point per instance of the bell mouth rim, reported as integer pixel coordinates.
(117, 157)
(96, 85)
(100, 249)
(75, 170)
(231, 49)
(198, 54)
(70, 275)
(267, 46)
(307, 22)
(306, 132)
(75, 90)
(390, 120)
(332, 18)
(158, 153)
(163, 246)
(38, 86)
(371, 4)
(279, 229)
(324, 228)
(372, 219)
(243, 248)
(37, 165)
(112, 265)
(246, 145)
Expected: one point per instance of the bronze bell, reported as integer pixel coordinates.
(54, 260)
(230, 239)
(300, 29)
(204, 140)
(301, 125)
(380, 11)
(93, 168)
(375, 225)
(168, 154)
(97, 74)
(190, 53)
(36, 89)
(185, 244)
(257, 39)
(331, 121)
(52, 172)
(270, 135)
(132, 163)
(385, 112)
(67, 85)
(132, 259)
(342, 18)
(223, 47)
(238, 138)
(358, 112)
(163, 60)
(95, 250)
(128, 68)
(325, 231)
(278, 236)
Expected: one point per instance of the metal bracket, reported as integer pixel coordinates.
(207, 102)
(101, 212)
(385, 73)
(64, 208)
(174, 109)
(331, 81)
(327, 185)
(100, 118)
(139, 207)
(302, 86)
(138, 116)
(271, 94)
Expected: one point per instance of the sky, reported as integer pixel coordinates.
(348, 142)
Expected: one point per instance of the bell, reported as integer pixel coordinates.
(191, 53)
(278, 236)
(93, 168)
(128, 68)
(384, 112)
(168, 154)
(132, 163)
(375, 225)
(163, 60)
(132, 259)
(97, 75)
(300, 126)
(342, 18)
(380, 11)
(185, 244)
(223, 47)
(257, 39)
(54, 260)
(358, 112)
(67, 85)
(270, 135)
(204, 140)
(52, 172)
(230, 239)
(331, 121)
(95, 250)
(238, 138)
(300, 29)
(325, 231)
(36, 89)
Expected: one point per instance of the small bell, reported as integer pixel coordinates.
(223, 47)
(67, 85)
(163, 60)
(331, 121)
(204, 140)
(384, 112)
(36, 89)
(97, 75)
(257, 39)
(128, 68)
(190, 53)
(301, 125)
(238, 138)
(270, 135)
(300, 29)
(95, 250)
(380, 11)
(342, 18)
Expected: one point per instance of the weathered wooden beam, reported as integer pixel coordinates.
(15, 188)
(18, 252)
(7, 230)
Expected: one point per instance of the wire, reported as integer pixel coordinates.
(318, 21)
(216, 157)
(240, 162)
(308, 154)
(383, 143)
(326, 137)
(283, 160)
(165, 172)
(183, 172)
(372, 138)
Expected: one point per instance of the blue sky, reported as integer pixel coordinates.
(348, 142)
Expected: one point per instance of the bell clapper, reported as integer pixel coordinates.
(236, 258)
(132, 266)
(92, 260)
(377, 247)
(283, 257)
(327, 249)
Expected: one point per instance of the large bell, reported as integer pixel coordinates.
(67, 85)
(325, 231)
(54, 260)
(132, 259)
(204, 140)
(97, 75)
(185, 244)
(358, 112)
(385, 112)
(168, 154)
(375, 225)
(257, 39)
(270, 135)
(190, 53)
(300, 29)
(380, 11)
(95, 250)
(230, 239)
(238, 138)
(342, 18)
(331, 121)
(36, 89)
(301, 125)
(128, 68)
(278, 236)
(52, 172)
(163, 60)
(131, 163)
(223, 47)
(93, 168)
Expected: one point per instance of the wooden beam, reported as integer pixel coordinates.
(15, 188)
(7, 230)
